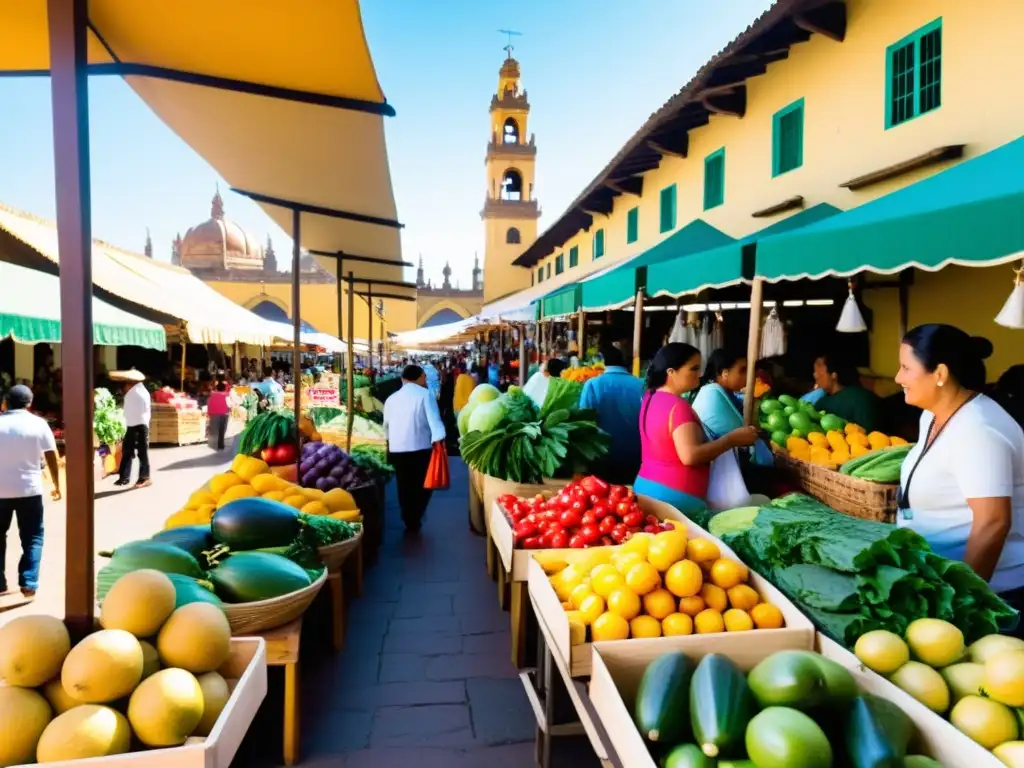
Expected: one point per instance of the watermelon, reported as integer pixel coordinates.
(251, 576)
(255, 523)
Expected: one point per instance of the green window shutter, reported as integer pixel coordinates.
(633, 224)
(533, 278)
(598, 244)
(788, 138)
(559, 263)
(547, 271)
(574, 256)
(668, 209)
(714, 179)
(913, 75)
(540, 274)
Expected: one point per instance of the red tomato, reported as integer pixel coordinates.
(619, 533)
(580, 494)
(617, 493)
(630, 494)
(590, 533)
(545, 540)
(606, 525)
(589, 518)
(533, 542)
(570, 518)
(623, 508)
(632, 519)
(560, 540)
(595, 485)
(652, 520)
(667, 527)
(524, 529)
(576, 541)
(564, 500)
(651, 528)
(601, 509)
(607, 541)
(578, 505)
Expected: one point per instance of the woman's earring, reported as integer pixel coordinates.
(941, 383)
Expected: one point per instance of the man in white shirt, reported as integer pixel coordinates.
(24, 440)
(137, 411)
(413, 424)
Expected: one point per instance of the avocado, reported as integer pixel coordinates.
(780, 737)
(801, 423)
(788, 400)
(832, 423)
(770, 406)
(801, 680)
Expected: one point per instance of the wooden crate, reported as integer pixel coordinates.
(169, 426)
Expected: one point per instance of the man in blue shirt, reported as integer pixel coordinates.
(616, 396)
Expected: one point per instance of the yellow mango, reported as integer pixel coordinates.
(313, 494)
(264, 483)
(199, 498)
(859, 450)
(315, 508)
(204, 514)
(821, 456)
(236, 492)
(894, 441)
(296, 500)
(801, 453)
(795, 443)
(858, 438)
(178, 519)
(817, 439)
(238, 462)
(837, 440)
(251, 467)
(276, 495)
(220, 483)
(339, 500)
(348, 516)
(841, 457)
(851, 428)
(877, 440)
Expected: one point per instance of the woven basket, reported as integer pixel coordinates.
(259, 616)
(850, 495)
(334, 555)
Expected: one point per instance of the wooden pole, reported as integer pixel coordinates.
(524, 364)
(297, 327)
(581, 340)
(182, 359)
(753, 347)
(369, 327)
(69, 90)
(638, 325)
(350, 363)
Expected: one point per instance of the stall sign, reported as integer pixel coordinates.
(322, 396)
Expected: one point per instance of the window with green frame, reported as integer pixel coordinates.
(598, 246)
(788, 138)
(574, 256)
(540, 274)
(547, 271)
(668, 209)
(559, 263)
(633, 224)
(913, 75)
(714, 179)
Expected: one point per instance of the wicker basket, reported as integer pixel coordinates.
(849, 495)
(334, 555)
(259, 616)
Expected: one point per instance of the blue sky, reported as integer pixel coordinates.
(594, 70)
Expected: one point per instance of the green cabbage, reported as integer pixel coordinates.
(486, 416)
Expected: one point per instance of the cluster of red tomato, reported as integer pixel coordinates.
(588, 513)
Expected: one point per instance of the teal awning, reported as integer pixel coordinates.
(618, 285)
(971, 214)
(30, 313)
(564, 301)
(722, 266)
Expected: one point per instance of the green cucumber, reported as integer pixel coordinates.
(663, 699)
(721, 706)
(780, 737)
(248, 577)
(877, 733)
(688, 756)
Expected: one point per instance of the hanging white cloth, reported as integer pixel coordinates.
(678, 333)
(718, 333)
(1012, 313)
(773, 336)
(851, 320)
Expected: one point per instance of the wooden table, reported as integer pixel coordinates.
(283, 651)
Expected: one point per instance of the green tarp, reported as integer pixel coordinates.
(30, 313)
(618, 285)
(564, 301)
(970, 214)
(722, 266)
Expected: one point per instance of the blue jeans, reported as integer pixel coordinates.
(29, 511)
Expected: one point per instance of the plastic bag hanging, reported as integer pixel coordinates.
(1012, 313)
(851, 320)
(678, 328)
(773, 337)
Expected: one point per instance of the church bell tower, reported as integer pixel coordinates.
(510, 210)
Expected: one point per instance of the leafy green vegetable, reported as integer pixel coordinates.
(322, 414)
(563, 394)
(107, 420)
(373, 459)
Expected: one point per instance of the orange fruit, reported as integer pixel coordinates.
(676, 624)
(609, 626)
(767, 616)
(591, 607)
(691, 606)
(714, 597)
(708, 621)
(684, 579)
(702, 551)
(743, 597)
(645, 626)
(638, 543)
(728, 573)
(643, 578)
(659, 603)
(625, 602)
(736, 620)
(604, 582)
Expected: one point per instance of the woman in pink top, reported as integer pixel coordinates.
(218, 409)
(676, 457)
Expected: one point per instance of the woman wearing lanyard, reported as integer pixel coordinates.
(962, 484)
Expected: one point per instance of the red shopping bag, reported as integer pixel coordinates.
(437, 473)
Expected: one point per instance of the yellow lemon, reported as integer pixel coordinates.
(743, 597)
(667, 548)
(684, 579)
(737, 621)
(767, 616)
(591, 607)
(659, 603)
(580, 593)
(602, 568)
(882, 651)
(624, 561)
(708, 621)
(645, 626)
(609, 626)
(714, 597)
(728, 573)
(702, 551)
(1004, 678)
(625, 602)
(220, 483)
(643, 578)
(606, 582)
(691, 606)
(986, 721)
(638, 543)
(676, 624)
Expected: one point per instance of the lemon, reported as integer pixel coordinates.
(645, 626)
(702, 551)
(924, 684)
(935, 642)
(1004, 678)
(987, 722)
(605, 582)
(579, 592)
(691, 606)
(767, 616)
(728, 573)
(602, 569)
(667, 548)
(882, 651)
(737, 621)
(609, 626)
(990, 645)
(676, 624)
(963, 679)
(659, 603)
(591, 607)
(714, 597)
(643, 578)
(625, 602)
(624, 561)
(1011, 753)
(708, 621)
(638, 543)
(684, 579)
(743, 597)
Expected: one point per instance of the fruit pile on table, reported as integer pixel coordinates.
(979, 688)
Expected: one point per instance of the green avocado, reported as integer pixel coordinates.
(830, 422)
(780, 737)
(801, 423)
(777, 421)
(788, 400)
(770, 406)
(801, 680)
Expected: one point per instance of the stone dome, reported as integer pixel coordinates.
(220, 244)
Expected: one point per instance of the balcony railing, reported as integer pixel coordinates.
(513, 209)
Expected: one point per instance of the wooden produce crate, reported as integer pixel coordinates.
(490, 489)
(548, 607)
(170, 426)
(246, 674)
(850, 495)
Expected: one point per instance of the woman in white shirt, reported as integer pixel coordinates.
(962, 485)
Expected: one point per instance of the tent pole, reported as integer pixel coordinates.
(638, 325)
(581, 341)
(183, 350)
(523, 364)
(350, 363)
(753, 347)
(369, 326)
(341, 311)
(297, 327)
(69, 90)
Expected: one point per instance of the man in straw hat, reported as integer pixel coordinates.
(137, 410)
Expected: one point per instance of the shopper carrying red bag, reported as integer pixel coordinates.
(437, 473)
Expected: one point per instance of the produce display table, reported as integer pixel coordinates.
(336, 581)
(283, 651)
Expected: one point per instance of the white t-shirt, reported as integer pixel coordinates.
(137, 406)
(980, 454)
(23, 439)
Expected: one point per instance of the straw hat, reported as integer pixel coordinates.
(130, 375)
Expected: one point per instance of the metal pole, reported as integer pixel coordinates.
(341, 310)
(638, 325)
(753, 347)
(297, 326)
(350, 363)
(68, 22)
(369, 326)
